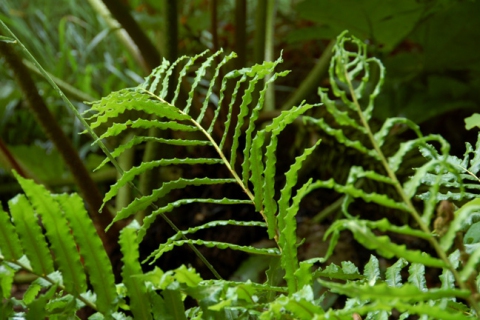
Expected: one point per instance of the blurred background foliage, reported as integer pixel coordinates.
(429, 48)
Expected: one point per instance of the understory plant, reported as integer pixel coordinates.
(73, 271)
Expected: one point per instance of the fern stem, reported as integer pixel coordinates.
(413, 211)
(269, 51)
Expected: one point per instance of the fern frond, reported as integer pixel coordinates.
(95, 259)
(155, 255)
(287, 223)
(73, 241)
(371, 296)
(137, 290)
(257, 169)
(59, 235)
(382, 244)
(31, 237)
(10, 248)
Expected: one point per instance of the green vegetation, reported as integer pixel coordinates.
(203, 134)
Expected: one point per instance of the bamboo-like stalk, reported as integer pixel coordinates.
(259, 35)
(270, 52)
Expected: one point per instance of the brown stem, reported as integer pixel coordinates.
(10, 159)
(122, 14)
(44, 117)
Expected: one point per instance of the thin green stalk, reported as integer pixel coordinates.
(413, 211)
(270, 52)
(260, 32)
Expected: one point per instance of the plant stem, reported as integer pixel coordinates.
(259, 36)
(60, 287)
(269, 52)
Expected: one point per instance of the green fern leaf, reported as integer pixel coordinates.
(137, 290)
(140, 139)
(417, 276)
(147, 221)
(381, 244)
(387, 126)
(287, 223)
(447, 278)
(333, 271)
(210, 89)
(95, 259)
(257, 169)
(247, 163)
(136, 171)
(257, 73)
(151, 81)
(31, 237)
(340, 136)
(392, 276)
(59, 235)
(352, 191)
(277, 125)
(7, 274)
(372, 271)
(117, 128)
(10, 248)
(212, 244)
(141, 203)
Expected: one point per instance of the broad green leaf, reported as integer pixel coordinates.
(59, 235)
(6, 280)
(10, 247)
(287, 223)
(137, 291)
(31, 237)
(96, 261)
